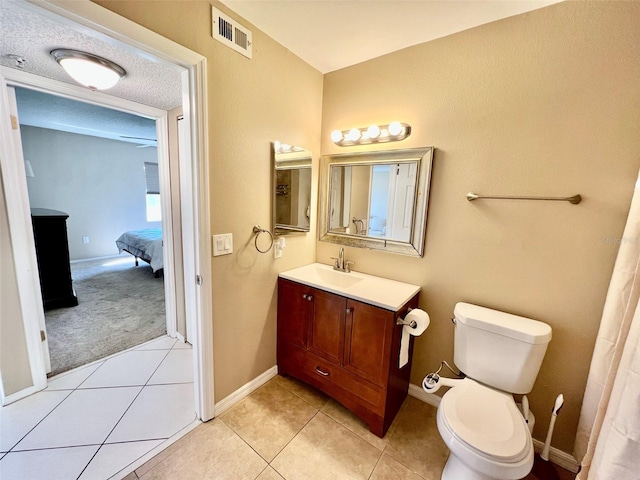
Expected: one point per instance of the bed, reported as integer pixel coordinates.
(145, 245)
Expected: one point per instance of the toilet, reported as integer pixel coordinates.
(486, 433)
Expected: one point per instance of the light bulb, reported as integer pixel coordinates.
(336, 136)
(354, 134)
(90, 74)
(373, 131)
(395, 128)
(276, 146)
(285, 147)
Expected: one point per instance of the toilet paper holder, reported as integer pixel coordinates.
(411, 323)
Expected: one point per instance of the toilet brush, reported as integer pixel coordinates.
(542, 468)
(554, 413)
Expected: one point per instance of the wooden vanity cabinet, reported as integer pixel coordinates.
(348, 349)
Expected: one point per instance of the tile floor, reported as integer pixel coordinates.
(288, 430)
(92, 422)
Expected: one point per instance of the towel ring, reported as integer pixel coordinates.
(257, 230)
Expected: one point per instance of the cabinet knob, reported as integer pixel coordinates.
(309, 298)
(349, 311)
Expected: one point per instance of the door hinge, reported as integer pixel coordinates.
(14, 122)
(198, 280)
(43, 336)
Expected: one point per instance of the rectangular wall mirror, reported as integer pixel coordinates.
(376, 200)
(291, 188)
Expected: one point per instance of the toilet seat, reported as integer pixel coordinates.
(486, 421)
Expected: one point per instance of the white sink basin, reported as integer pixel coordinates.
(377, 291)
(336, 278)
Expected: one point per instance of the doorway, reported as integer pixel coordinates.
(96, 302)
(193, 198)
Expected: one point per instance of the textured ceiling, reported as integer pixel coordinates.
(31, 33)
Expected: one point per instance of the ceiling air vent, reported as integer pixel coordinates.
(231, 33)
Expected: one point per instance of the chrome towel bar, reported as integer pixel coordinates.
(573, 200)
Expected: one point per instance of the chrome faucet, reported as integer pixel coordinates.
(341, 264)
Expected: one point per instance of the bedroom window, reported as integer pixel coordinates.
(154, 213)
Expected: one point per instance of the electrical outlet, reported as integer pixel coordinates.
(278, 246)
(85, 239)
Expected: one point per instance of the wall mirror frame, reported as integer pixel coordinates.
(416, 203)
(292, 175)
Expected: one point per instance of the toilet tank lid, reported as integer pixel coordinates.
(514, 326)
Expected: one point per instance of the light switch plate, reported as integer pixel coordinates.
(222, 244)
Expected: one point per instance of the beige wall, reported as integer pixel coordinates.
(546, 103)
(274, 96)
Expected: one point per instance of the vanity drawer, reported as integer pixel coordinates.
(336, 382)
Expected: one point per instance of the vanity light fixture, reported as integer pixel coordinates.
(286, 148)
(393, 132)
(94, 72)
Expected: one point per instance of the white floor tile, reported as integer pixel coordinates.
(73, 379)
(130, 368)
(179, 345)
(177, 367)
(113, 458)
(162, 343)
(51, 464)
(85, 417)
(19, 417)
(159, 412)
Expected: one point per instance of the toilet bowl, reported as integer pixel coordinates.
(485, 432)
(500, 355)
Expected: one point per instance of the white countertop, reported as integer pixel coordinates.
(378, 291)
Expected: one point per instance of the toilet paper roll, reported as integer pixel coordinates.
(422, 322)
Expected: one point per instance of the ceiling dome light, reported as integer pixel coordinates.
(395, 128)
(94, 72)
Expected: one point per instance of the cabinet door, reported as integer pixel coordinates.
(326, 331)
(369, 331)
(294, 303)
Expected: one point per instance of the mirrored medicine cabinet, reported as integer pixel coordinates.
(376, 200)
(291, 188)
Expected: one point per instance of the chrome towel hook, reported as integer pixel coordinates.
(257, 230)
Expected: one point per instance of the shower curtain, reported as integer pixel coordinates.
(608, 437)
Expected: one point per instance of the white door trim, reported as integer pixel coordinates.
(23, 244)
(195, 182)
(24, 231)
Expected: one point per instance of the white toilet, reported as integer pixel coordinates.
(478, 419)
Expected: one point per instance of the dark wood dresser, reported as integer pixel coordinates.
(52, 250)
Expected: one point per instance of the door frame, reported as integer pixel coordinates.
(194, 181)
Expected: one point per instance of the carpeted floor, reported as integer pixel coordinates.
(120, 306)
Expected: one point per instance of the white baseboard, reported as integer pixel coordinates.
(430, 398)
(91, 259)
(560, 458)
(229, 401)
(557, 456)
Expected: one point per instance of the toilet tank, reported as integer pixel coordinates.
(499, 349)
